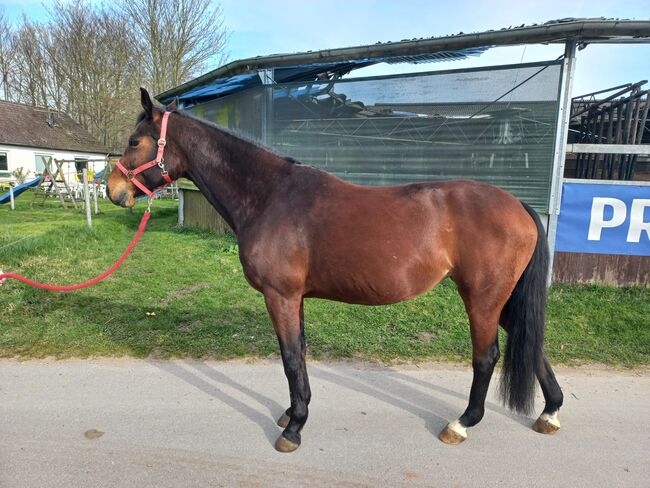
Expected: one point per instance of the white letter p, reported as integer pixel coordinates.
(598, 222)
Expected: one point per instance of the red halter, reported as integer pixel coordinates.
(159, 161)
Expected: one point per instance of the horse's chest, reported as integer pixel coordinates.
(275, 263)
(254, 270)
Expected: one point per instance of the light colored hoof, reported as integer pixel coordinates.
(547, 424)
(284, 421)
(285, 445)
(453, 434)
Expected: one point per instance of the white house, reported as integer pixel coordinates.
(29, 134)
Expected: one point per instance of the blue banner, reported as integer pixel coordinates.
(604, 219)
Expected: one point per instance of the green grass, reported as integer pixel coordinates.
(192, 281)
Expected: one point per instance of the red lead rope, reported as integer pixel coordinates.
(131, 175)
(97, 279)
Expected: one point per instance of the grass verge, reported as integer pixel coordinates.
(182, 294)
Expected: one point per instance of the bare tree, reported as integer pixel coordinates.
(95, 68)
(117, 93)
(181, 37)
(31, 65)
(56, 83)
(88, 60)
(7, 55)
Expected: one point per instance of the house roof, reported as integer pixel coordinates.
(595, 30)
(25, 125)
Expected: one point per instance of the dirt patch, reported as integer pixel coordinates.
(93, 434)
(426, 336)
(188, 325)
(188, 290)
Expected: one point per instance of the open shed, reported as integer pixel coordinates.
(505, 125)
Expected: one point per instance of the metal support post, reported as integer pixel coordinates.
(559, 157)
(266, 75)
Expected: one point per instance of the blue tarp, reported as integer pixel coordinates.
(308, 72)
(222, 86)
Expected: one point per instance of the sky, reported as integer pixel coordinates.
(285, 26)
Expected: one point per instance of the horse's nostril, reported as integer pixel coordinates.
(119, 197)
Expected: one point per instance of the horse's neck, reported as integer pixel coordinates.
(236, 176)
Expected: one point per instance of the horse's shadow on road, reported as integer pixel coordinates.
(395, 388)
(192, 376)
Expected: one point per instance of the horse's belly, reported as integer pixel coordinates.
(382, 284)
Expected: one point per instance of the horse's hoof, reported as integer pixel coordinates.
(454, 433)
(547, 424)
(284, 421)
(285, 445)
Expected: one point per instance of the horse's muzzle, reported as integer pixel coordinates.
(121, 197)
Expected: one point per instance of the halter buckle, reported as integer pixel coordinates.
(162, 142)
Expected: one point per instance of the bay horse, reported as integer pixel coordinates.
(303, 233)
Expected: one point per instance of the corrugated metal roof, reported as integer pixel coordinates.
(594, 30)
(450, 55)
(310, 72)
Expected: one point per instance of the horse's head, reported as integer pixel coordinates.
(125, 183)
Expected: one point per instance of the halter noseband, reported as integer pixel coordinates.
(159, 161)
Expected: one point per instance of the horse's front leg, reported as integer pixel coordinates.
(287, 316)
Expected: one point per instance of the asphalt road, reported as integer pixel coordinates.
(129, 423)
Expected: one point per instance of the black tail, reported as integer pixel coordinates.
(524, 315)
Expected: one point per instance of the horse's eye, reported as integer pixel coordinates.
(133, 142)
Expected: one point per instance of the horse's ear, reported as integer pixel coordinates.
(147, 104)
(173, 105)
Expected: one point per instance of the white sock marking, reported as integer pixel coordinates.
(458, 428)
(551, 418)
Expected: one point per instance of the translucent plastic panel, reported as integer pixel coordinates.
(413, 128)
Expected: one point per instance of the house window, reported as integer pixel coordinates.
(80, 164)
(3, 162)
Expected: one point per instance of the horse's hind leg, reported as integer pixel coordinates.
(286, 314)
(547, 423)
(483, 312)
